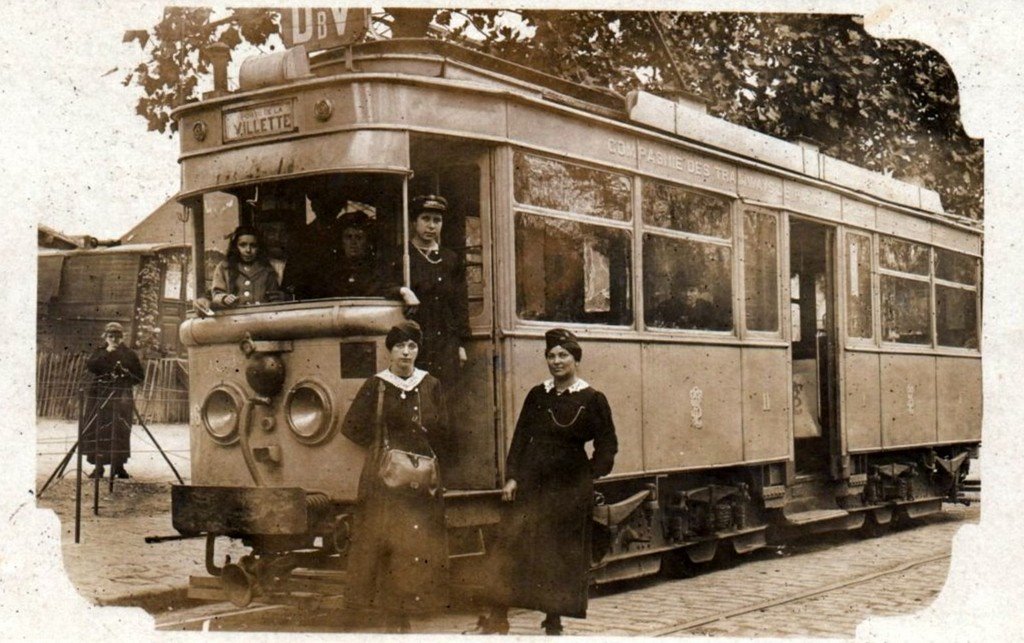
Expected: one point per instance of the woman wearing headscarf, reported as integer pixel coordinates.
(544, 553)
(397, 563)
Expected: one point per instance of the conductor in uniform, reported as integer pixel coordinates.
(438, 281)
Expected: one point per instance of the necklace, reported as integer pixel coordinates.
(426, 254)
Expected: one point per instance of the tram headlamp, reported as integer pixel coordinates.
(309, 412)
(220, 412)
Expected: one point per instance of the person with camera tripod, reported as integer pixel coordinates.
(109, 406)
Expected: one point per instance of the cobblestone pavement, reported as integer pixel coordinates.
(769, 593)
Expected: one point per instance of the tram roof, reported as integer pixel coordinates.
(685, 120)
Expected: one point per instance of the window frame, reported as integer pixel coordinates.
(735, 240)
(782, 298)
(627, 225)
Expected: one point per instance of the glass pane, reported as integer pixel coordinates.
(474, 266)
(954, 266)
(858, 286)
(572, 272)
(552, 184)
(687, 284)
(670, 206)
(956, 317)
(760, 270)
(905, 314)
(904, 256)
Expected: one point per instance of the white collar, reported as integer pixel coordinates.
(577, 386)
(405, 384)
(433, 247)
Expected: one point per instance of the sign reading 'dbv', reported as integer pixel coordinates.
(322, 28)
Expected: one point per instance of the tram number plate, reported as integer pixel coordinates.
(255, 121)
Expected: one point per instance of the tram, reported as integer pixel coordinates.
(788, 342)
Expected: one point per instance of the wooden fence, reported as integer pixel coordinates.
(162, 397)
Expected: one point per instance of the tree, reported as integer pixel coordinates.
(888, 105)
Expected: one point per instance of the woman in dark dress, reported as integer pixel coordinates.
(110, 407)
(438, 281)
(398, 560)
(544, 553)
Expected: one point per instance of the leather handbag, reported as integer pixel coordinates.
(400, 469)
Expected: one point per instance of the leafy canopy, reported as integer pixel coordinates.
(888, 105)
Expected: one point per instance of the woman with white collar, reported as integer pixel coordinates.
(438, 281)
(397, 563)
(544, 554)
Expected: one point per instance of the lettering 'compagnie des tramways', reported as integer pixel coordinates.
(678, 162)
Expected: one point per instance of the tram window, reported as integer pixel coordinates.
(956, 316)
(858, 286)
(956, 299)
(670, 206)
(904, 256)
(301, 222)
(906, 317)
(760, 270)
(567, 187)
(687, 284)
(955, 267)
(569, 271)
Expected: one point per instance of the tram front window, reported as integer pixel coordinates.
(337, 235)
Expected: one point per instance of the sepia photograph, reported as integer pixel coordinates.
(688, 319)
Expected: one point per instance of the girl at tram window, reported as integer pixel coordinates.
(543, 556)
(246, 277)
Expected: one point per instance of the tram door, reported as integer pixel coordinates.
(460, 172)
(812, 302)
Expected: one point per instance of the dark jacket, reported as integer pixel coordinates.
(544, 554)
(398, 558)
(109, 406)
(440, 284)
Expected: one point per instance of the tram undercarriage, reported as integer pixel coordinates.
(671, 523)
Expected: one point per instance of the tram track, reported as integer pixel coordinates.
(799, 596)
(204, 617)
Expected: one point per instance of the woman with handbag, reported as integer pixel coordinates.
(398, 560)
(543, 557)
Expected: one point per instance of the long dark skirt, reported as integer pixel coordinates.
(398, 561)
(542, 557)
(107, 427)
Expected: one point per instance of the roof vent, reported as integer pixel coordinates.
(274, 69)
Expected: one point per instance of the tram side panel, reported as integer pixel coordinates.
(766, 403)
(862, 401)
(908, 400)
(959, 398)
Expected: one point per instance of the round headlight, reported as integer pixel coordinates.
(220, 412)
(309, 412)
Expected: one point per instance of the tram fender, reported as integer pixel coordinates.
(239, 510)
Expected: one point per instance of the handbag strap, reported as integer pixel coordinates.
(382, 436)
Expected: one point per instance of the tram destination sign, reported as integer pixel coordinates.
(257, 121)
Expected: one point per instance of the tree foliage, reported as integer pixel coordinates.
(888, 105)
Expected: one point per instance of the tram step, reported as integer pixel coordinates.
(815, 515)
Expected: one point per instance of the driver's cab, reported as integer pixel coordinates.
(344, 235)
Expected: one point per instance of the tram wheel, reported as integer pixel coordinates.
(677, 564)
(874, 529)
